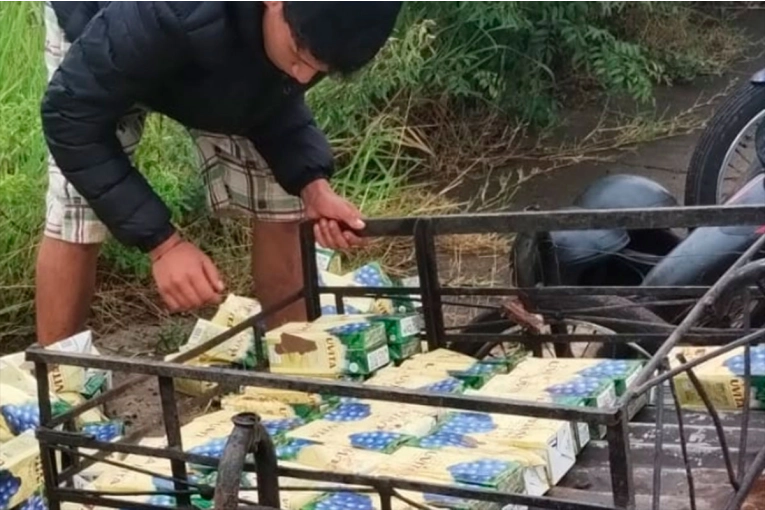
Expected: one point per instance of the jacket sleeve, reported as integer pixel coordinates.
(294, 147)
(118, 58)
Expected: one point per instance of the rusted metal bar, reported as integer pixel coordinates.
(622, 483)
(658, 453)
(688, 291)
(310, 271)
(755, 471)
(669, 374)
(712, 339)
(542, 221)
(238, 446)
(715, 419)
(427, 268)
(184, 356)
(173, 431)
(684, 446)
(731, 276)
(344, 389)
(47, 454)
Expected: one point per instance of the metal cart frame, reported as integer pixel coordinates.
(248, 435)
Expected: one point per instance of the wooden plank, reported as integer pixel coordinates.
(706, 499)
(702, 435)
(673, 480)
(728, 418)
(596, 454)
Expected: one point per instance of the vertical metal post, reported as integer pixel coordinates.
(173, 431)
(230, 467)
(266, 469)
(743, 440)
(386, 496)
(47, 454)
(623, 485)
(427, 269)
(659, 447)
(261, 357)
(755, 471)
(339, 304)
(310, 271)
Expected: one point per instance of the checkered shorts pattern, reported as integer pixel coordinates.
(237, 179)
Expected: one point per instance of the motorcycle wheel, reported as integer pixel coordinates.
(616, 315)
(729, 133)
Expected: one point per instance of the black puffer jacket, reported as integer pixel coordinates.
(200, 63)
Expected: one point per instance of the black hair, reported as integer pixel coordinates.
(344, 36)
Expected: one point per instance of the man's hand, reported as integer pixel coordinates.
(332, 213)
(186, 278)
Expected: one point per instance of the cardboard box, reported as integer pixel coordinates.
(511, 390)
(358, 348)
(722, 378)
(597, 393)
(620, 372)
(368, 425)
(534, 473)
(20, 469)
(551, 440)
(477, 469)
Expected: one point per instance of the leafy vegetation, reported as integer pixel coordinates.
(523, 59)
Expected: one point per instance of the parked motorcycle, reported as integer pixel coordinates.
(731, 149)
(656, 257)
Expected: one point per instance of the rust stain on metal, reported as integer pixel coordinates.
(523, 317)
(756, 498)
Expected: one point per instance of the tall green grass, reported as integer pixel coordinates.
(518, 57)
(22, 76)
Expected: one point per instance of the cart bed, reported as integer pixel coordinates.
(590, 479)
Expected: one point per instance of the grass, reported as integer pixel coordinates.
(459, 91)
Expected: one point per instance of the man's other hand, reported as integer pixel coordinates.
(186, 278)
(336, 218)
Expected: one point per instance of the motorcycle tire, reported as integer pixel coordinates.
(732, 116)
(617, 314)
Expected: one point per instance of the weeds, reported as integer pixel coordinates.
(454, 90)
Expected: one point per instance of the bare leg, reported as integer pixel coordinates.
(65, 281)
(277, 268)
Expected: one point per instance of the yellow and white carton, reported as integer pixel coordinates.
(621, 372)
(397, 377)
(68, 378)
(563, 388)
(353, 305)
(478, 469)
(534, 472)
(535, 390)
(275, 402)
(236, 309)
(331, 351)
(721, 377)
(552, 440)
(290, 499)
(120, 479)
(236, 350)
(368, 425)
(338, 500)
(332, 458)
(17, 372)
(20, 469)
(580, 430)
(193, 387)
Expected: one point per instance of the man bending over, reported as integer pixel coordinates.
(234, 74)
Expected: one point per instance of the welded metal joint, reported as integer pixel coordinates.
(248, 437)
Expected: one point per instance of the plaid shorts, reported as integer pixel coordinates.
(237, 180)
